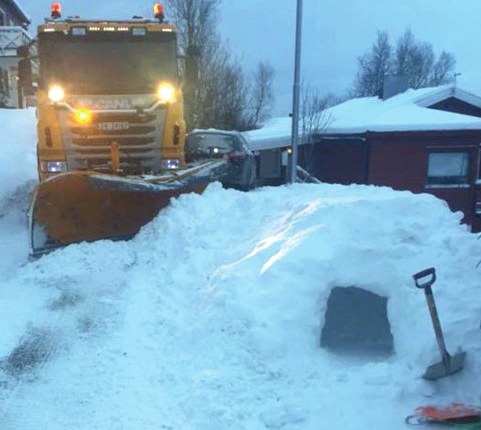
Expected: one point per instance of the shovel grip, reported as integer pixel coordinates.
(418, 277)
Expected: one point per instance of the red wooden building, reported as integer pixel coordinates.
(421, 140)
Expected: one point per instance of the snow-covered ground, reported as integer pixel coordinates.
(210, 318)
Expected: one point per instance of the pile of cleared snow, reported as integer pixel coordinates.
(18, 162)
(18, 176)
(211, 317)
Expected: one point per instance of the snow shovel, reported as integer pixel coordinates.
(449, 364)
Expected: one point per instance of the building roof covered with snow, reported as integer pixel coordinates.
(11, 11)
(428, 109)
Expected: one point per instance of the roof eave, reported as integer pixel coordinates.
(19, 11)
(446, 93)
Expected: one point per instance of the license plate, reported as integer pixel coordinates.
(113, 126)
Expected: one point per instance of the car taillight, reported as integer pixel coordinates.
(237, 156)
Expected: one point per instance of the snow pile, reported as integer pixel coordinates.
(18, 175)
(18, 150)
(211, 317)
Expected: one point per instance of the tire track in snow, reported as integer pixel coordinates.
(81, 313)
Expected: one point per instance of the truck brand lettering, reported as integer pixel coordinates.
(107, 104)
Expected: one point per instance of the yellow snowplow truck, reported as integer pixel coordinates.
(110, 129)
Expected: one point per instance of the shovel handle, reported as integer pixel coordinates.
(426, 285)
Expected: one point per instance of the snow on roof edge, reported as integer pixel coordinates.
(21, 11)
(405, 112)
(446, 92)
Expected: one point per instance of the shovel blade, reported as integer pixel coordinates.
(440, 370)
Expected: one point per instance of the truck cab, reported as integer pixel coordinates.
(109, 96)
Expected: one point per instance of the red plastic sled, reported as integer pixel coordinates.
(456, 413)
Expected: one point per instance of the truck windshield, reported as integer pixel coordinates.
(106, 63)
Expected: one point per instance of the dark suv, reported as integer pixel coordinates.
(241, 166)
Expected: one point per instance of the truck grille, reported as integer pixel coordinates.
(139, 137)
(124, 142)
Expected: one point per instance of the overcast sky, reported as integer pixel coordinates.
(335, 33)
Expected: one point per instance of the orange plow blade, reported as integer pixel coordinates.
(85, 206)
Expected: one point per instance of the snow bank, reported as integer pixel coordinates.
(18, 162)
(18, 176)
(210, 318)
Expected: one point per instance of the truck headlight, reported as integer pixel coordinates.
(53, 166)
(56, 94)
(170, 164)
(166, 93)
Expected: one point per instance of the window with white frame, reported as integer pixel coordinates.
(448, 168)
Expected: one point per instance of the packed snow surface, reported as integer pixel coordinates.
(210, 318)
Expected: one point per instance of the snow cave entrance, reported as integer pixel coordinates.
(356, 323)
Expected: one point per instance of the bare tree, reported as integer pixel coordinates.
(411, 58)
(373, 67)
(418, 61)
(313, 111)
(220, 99)
(231, 96)
(442, 70)
(210, 102)
(314, 120)
(196, 21)
(223, 92)
(197, 24)
(262, 95)
(414, 59)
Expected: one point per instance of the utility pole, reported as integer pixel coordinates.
(296, 97)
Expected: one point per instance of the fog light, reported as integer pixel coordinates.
(53, 166)
(171, 164)
(83, 116)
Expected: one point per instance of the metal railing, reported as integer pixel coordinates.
(11, 38)
(305, 176)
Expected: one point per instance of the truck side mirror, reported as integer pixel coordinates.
(192, 66)
(23, 51)
(25, 73)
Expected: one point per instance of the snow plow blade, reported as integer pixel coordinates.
(85, 206)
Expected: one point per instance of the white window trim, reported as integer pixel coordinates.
(441, 185)
(447, 186)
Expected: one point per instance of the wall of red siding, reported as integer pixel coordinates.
(339, 161)
(400, 160)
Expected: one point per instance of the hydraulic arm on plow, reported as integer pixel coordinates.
(111, 129)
